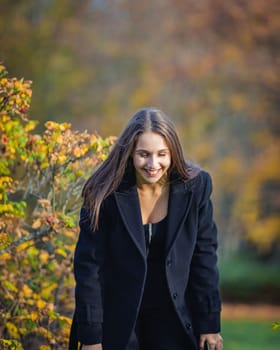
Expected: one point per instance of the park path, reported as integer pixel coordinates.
(251, 311)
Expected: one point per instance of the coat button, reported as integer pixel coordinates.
(175, 294)
(169, 262)
(188, 326)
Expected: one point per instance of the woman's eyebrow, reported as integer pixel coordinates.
(141, 150)
(144, 150)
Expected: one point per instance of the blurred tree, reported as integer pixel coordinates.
(212, 65)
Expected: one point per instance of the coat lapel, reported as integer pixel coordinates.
(180, 198)
(129, 208)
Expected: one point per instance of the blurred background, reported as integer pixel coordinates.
(213, 67)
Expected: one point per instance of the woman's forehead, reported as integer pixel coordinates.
(151, 141)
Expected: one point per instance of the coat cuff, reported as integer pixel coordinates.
(207, 323)
(90, 334)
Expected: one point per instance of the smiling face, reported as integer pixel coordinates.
(151, 158)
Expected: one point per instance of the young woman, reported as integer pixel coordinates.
(145, 262)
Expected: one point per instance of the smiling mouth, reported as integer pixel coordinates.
(152, 172)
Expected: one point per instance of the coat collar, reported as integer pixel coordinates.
(129, 208)
(180, 197)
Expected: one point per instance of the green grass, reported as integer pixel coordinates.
(249, 335)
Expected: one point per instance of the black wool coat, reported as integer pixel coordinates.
(110, 265)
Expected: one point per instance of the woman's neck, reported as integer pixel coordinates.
(151, 188)
(153, 200)
(155, 188)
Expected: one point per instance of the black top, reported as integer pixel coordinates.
(156, 294)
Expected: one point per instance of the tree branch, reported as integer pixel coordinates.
(34, 235)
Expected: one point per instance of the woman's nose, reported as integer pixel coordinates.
(152, 162)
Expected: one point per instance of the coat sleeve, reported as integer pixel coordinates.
(89, 260)
(204, 294)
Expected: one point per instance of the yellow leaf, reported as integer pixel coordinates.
(30, 302)
(23, 157)
(79, 173)
(6, 208)
(30, 125)
(5, 256)
(61, 159)
(12, 330)
(18, 85)
(41, 304)
(22, 330)
(37, 223)
(3, 81)
(44, 165)
(48, 290)
(5, 179)
(44, 332)
(33, 251)
(44, 257)
(50, 125)
(34, 316)
(5, 118)
(22, 246)
(26, 291)
(10, 286)
(66, 319)
(64, 126)
(61, 252)
(35, 296)
(25, 262)
(4, 238)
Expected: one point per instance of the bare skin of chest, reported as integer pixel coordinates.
(154, 205)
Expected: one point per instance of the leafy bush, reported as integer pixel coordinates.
(41, 177)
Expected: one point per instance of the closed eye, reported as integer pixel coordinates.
(143, 154)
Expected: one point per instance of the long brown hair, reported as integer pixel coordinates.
(109, 175)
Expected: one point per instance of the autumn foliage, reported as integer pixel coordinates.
(41, 177)
(212, 65)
